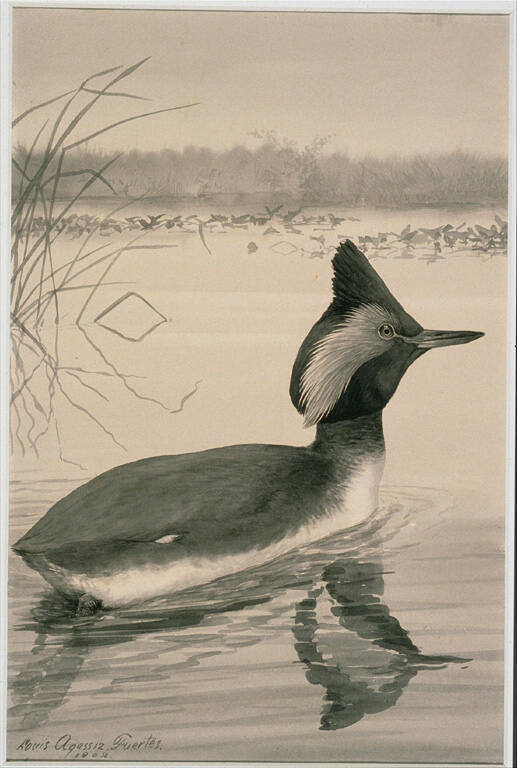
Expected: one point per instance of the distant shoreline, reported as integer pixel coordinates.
(277, 172)
(267, 198)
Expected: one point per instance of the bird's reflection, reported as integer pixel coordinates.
(364, 669)
(359, 653)
(63, 641)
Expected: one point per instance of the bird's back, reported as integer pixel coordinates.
(231, 491)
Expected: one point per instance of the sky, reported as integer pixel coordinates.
(378, 83)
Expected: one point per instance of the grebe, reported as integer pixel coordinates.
(166, 523)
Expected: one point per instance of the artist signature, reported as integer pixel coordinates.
(69, 747)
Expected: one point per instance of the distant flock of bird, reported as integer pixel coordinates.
(401, 244)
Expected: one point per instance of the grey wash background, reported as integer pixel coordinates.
(412, 111)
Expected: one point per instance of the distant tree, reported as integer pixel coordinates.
(293, 169)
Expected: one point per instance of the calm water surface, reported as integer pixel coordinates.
(381, 643)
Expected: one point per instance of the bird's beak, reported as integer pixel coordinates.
(430, 339)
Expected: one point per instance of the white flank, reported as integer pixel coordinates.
(359, 498)
(166, 539)
(336, 357)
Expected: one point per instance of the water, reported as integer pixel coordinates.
(365, 646)
(313, 656)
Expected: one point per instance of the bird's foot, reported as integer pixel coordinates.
(87, 605)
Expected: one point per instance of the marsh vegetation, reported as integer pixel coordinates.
(280, 170)
(38, 280)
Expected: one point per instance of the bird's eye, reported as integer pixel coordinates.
(386, 331)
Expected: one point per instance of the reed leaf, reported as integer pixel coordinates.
(38, 106)
(114, 93)
(90, 171)
(128, 120)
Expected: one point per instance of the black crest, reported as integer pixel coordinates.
(355, 282)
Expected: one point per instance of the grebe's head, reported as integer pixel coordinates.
(353, 358)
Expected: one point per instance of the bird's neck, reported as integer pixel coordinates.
(354, 452)
(351, 441)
